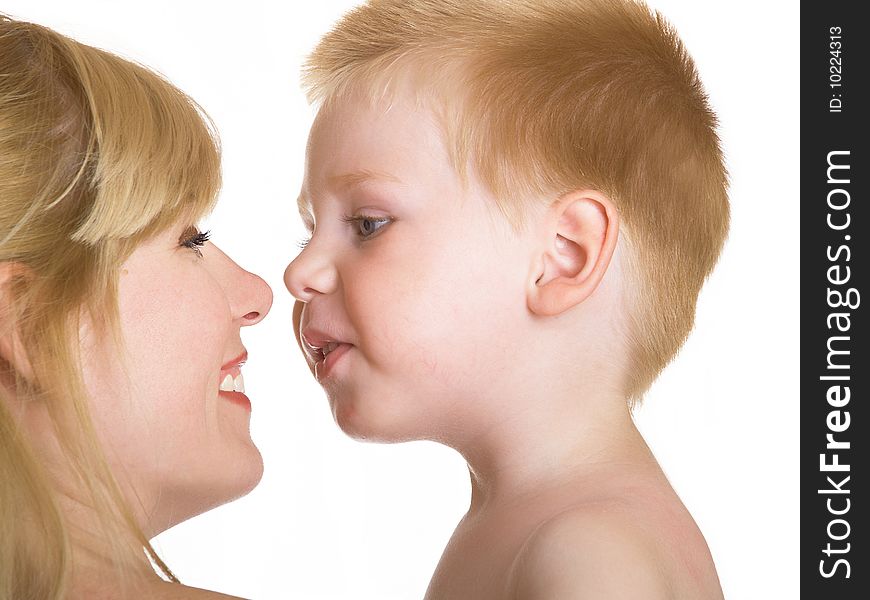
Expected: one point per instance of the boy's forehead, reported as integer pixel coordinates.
(356, 142)
(397, 118)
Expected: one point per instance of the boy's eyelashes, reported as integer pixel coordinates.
(365, 227)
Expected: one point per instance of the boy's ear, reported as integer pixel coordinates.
(580, 237)
(12, 354)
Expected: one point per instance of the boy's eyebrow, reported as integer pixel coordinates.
(356, 177)
(342, 182)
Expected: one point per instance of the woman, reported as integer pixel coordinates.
(122, 405)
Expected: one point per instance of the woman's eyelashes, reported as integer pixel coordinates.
(194, 239)
(366, 227)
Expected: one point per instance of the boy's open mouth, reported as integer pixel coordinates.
(323, 352)
(320, 346)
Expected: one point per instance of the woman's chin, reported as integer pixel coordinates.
(192, 497)
(245, 476)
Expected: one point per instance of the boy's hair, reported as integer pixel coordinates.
(542, 97)
(97, 154)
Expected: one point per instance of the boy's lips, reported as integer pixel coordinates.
(322, 350)
(324, 367)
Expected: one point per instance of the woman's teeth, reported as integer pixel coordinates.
(233, 385)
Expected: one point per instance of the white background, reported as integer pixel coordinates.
(337, 519)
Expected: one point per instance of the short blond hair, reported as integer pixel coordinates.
(559, 95)
(97, 154)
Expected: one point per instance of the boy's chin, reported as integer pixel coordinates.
(379, 424)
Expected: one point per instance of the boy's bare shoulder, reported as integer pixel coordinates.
(614, 548)
(589, 552)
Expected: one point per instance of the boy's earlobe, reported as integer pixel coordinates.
(581, 235)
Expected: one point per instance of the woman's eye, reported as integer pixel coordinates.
(366, 227)
(194, 239)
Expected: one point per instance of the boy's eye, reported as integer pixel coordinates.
(367, 227)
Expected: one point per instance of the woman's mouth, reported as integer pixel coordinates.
(232, 383)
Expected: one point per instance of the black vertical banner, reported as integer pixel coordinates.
(835, 338)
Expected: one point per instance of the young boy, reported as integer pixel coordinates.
(512, 207)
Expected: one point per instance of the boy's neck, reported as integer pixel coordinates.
(543, 450)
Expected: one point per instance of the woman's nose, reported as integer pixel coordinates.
(249, 296)
(310, 274)
(255, 300)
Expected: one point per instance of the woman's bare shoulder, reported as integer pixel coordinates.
(174, 591)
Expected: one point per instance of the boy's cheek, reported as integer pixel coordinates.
(297, 321)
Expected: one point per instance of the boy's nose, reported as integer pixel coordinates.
(310, 274)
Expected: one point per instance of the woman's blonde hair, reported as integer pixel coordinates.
(543, 97)
(96, 155)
